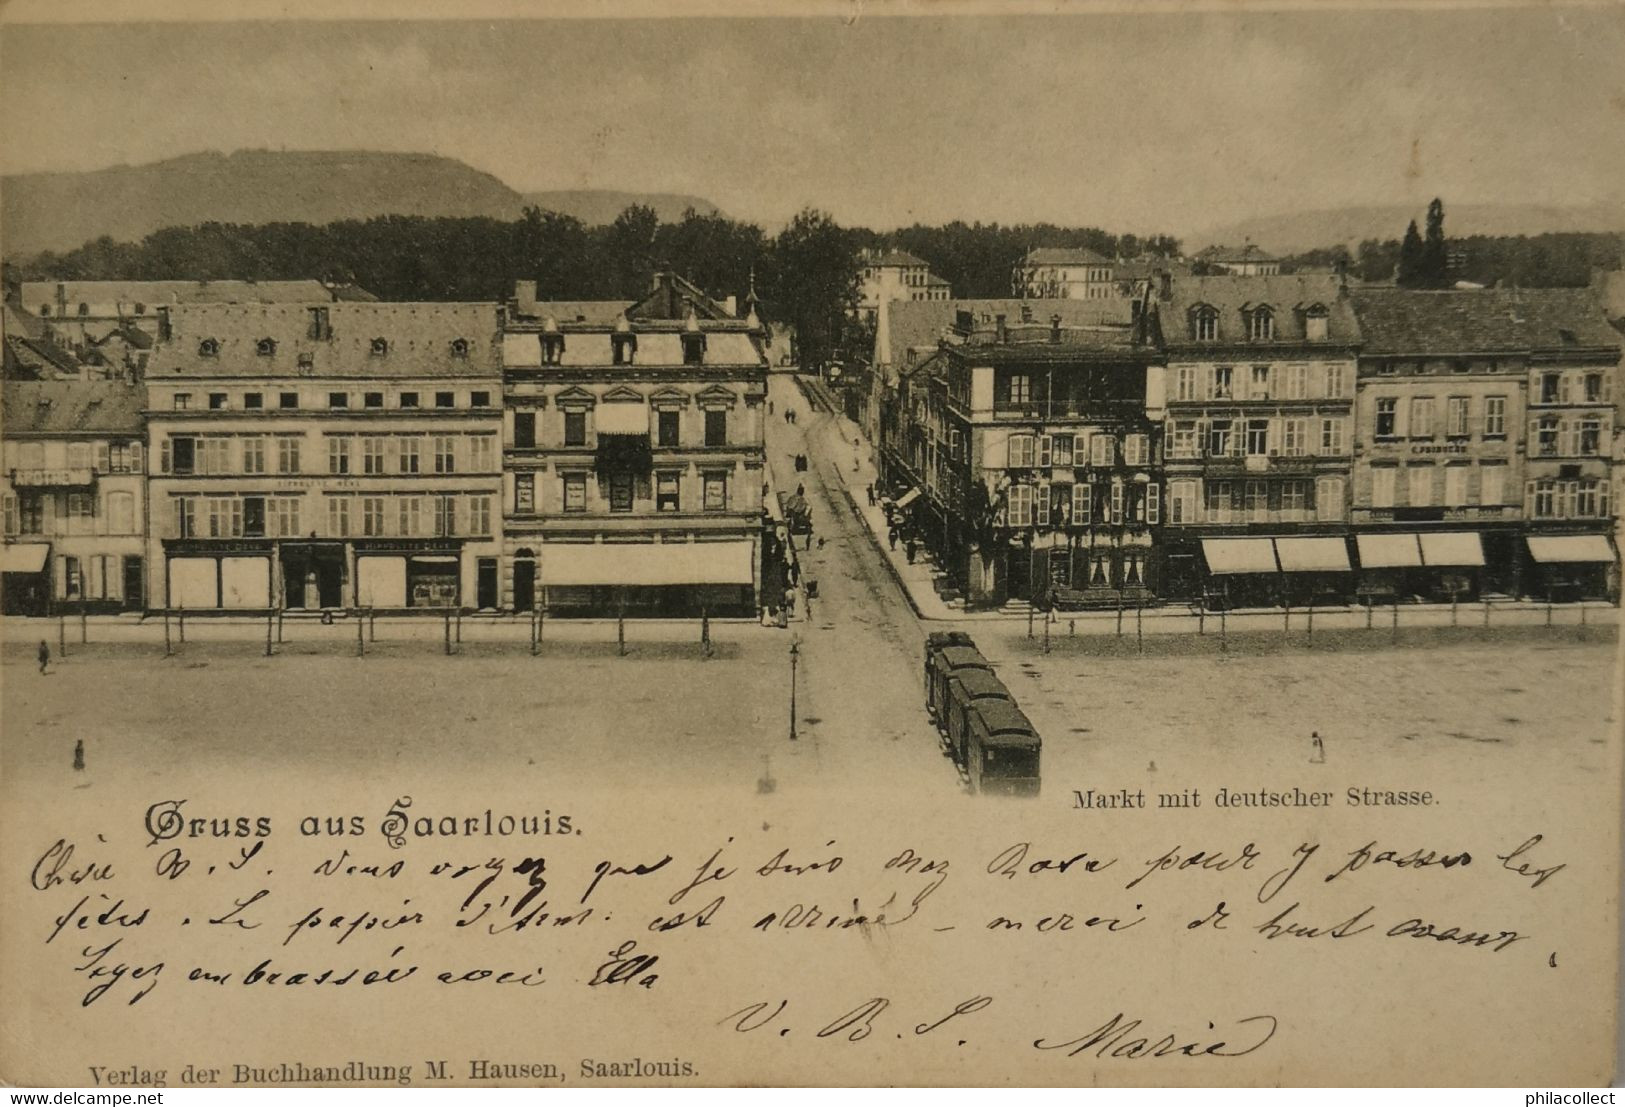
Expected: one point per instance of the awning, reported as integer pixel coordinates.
(645, 563)
(1388, 551)
(623, 453)
(1455, 548)
(1239, 555)
(24, 557)
(907, 497)
(1312, 555)
(1571, 547)
(622, 418)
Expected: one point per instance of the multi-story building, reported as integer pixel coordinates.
(634, 455)
(1064, 273)
(326, 456)
(1042, 462)
(1484, 422)
(891, 275)
(1259, 441)
(1248, 261)
(74, 496)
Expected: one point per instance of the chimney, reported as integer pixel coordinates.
(1055, 328)
(1001, 333)
(1165, 285)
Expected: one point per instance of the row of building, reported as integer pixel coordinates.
(330, 453)
(1256, 439)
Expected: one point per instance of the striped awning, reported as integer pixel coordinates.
(1388, 551)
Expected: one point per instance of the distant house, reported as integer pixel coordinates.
(886, 275)
(30, 353)
(1056, 273)
(1248, 261)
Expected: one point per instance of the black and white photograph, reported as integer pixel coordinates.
(810, 545)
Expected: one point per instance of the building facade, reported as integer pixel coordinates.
(1064, 273)
(321, 457)
(1247, 261)
(1484, 423)
(74, 494)
(885, 276)
(634, 457)
(1260, 439)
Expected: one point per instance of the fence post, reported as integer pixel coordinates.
(1486, 611)
(1029, 620)
(535, 641)
(268, 632)
(1395, 635)
(84, 627)
(1119, 613)
(62, 632)
(360, 636)
(1311, 617)
(447, 616)
(1455, 597)
(372, 624)
(1139, 633)
(169, 648)
(1370, 608)
(1224, 628)
(620, 630)
(705, 630)
(1201, 616)
(1286, 616)
(1548, 610)
(279, 611)
(180, 623)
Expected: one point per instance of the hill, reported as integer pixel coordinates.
(59, 211)
(1301, 231)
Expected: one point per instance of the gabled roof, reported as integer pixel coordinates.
(1065, 255)
(673, 298)
(891, 258)
(1288, 296)
(1489, 320)
(71, 407)
(1230, 255)
(920, 324)
(153, 293)
(418, 340)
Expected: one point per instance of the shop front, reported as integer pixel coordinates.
(650, 579)
(1315, 570)
(1573, 567)
(25, 582)
(1241, 572)
(392, 577)
(219, 577)
(1456, 559)
(1390, 567)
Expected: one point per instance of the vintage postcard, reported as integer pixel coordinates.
(841, 544)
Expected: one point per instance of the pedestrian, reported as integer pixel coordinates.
(891, 537)
(801, 490)
(44, 657)
(871, 494)
(820, 541)
(790, 602)
(79, 756)
(910, 549)
(770, 407)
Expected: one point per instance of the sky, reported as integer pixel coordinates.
(1145, 122)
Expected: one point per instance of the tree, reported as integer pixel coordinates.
(1410, 273)
(629, 251)
(1435, 261)
(812, 282)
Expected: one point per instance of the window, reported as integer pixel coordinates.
(217, 401)
(288, 401)
(1334, 381)
(1217, 497)
(1218, 438)
(265, 347)
(1421, 417)
(1185, 382)
(1314, 324)
(1492, 484)
(216, 455)
(380, 347)
(445, 399)
(716, 427)
(410, 510)
(287, 455)
(575, 428)
(338, 455)
(1331, 436)
(1223, 381)
(524, 429)
(1495, 416)
(1549, 384)
(1136, 449)
(1258, 437)
(1294, 437)
(253, 455)
(409, 452)
(1019, 509)
(445, 453)
(1060, 450)
(253, 401)
(1546, 430)
(338, 516)
(183, 401)
(668, 492)
(1181, 502)
(79, 455)
(338, 399)
(715, 491)
(409, 399)
(623, 348)
(372, 516)
(693, 349)
(1455, 485)
(1590, 436)
(620, 492)
(318, 326)
(124, 457)
(1019, 389)
(1152, 513)
(1297, 383)
(372, 399)
(184, 453)
(1102, 450)
(1383, 478)
(209, 347)
(1206, 324)
(459, 347)
(1261, 325)
(225, 516)
(1455, 419)
(1182, 442)
(482, 453)
(1082, 504)
(1590, 498)
(287, 516)
(445, 516)
(185, 518)
(1387, 417)
(666, 427)
(1594, 391)
(1022, 451)
(1294, 499)
(372, 456)
(1545, 499)
(1421, 485)
(479, 399)
(1329, 499)
(479, 515)
(575, 491)
(1259, 386)
(1258, 501)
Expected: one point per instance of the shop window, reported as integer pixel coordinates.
(668, 495)
(575, 492)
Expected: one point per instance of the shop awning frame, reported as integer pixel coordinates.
(24, 557)
(633, 564)
(1312, 555)
(1229, 556)
(907, 498)
(1453, 549)
(1388, 551)
(1553, 549)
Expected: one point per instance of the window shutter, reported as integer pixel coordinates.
(1153, 504)
(1529, 499)
(104, 457)
(1117, 501)
(1041, 505)
(163, 456)
(1602, 497)
(1046, 450)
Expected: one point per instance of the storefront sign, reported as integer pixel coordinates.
(52, 478)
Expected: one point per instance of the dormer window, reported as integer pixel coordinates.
(265, 347)
(693, 349)
(1261, 324)
(553, 349)
(209, 347)
(459, 347)
(1205, 324)
(44, 310)
(84, 309)
(623, 347)
(380, 347)
(1315, 322)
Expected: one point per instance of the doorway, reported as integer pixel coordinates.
(524, 585)
(485, 587)
(132, 583)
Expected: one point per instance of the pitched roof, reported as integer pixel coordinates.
(890, 257)
(1404, 321)
(1287, 295)
(418, 341)
(1230, 255)
(152, 293)
(71, 407)
(1065, 255)
(919, 324)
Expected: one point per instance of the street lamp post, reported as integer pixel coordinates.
(795, 657)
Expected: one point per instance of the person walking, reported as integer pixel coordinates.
(44, 657)
(871, 493)
(910, 548)
(891, 537)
